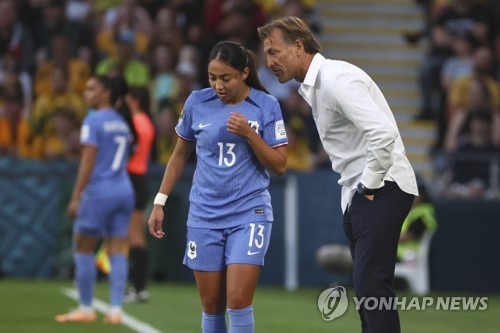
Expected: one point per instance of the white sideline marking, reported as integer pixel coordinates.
(103, 307)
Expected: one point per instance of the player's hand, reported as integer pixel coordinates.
(238, 124)
(155, 222)
(73, 207)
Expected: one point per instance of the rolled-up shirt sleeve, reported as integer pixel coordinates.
(354, 102)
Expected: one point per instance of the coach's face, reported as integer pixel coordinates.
(281, 57)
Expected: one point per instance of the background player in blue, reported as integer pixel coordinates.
(238, 132)
(102, 199)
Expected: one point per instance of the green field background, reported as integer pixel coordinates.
(29, 306)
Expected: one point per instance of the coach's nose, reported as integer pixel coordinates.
(269, 62)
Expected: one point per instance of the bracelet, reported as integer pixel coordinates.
(160, 199)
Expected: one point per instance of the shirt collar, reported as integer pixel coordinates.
(312, 71)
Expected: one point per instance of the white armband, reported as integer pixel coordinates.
(160, 199)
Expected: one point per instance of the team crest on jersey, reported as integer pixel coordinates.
(254, 124)
(191, 250)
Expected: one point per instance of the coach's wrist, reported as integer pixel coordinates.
(160, 199)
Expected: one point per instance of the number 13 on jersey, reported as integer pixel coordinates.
(227, 156)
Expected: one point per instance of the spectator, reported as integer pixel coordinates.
(163, 85)
(190, 14)
(299, 155)
(471, 171)
(137, 17)
(462, 16)
(166, 137)
(11, 75)
(45, 139)
(14, 128)
(78, 70)
(187, 81)
(53, 23)
(461, 64)
(125, 22)
(135, 72)
(166, 30)
(465, 94)
(296, 107)
(66, 141)
(14, 37)
(235, 20)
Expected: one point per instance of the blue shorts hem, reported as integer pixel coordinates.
(205, 269)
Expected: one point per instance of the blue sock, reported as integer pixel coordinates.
(118, 278)
(85, 273)
(241, 321)
(213, 323)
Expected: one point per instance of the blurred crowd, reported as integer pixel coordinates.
(460, 89)
(49, 48)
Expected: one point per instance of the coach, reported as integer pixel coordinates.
(360, 134)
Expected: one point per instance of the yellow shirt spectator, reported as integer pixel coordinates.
(79, 72)
(461, 98)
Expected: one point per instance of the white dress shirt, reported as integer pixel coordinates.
(356, 127)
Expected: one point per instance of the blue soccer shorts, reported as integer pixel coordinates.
(212, 250)
(104, 216)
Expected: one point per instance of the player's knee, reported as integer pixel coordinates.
(238, 301)
(213, 304)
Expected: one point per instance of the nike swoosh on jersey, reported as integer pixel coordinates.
(250, 253)
(201, 125)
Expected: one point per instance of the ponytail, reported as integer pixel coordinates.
(253, 77)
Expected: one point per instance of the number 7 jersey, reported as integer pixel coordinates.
(110, 134)
(230, 184)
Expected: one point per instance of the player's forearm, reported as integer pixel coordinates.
(173, 172)
(273, 159)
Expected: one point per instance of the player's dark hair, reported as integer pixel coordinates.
(238, 57)
(118, 88)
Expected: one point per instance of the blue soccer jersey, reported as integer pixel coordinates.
(230, 184)
(108, 199)
(109, 132)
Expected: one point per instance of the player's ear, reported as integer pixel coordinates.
(245, 73)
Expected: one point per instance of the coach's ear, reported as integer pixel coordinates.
(299, 47)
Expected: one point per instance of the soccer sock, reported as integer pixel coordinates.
(213, 323)
(86, 273)
(138, 270)
(118, 278)
(241, 321)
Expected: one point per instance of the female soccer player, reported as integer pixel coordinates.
(238, 131)
(137, 100)
(102, 199)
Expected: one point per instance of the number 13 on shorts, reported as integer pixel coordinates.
(256, 239)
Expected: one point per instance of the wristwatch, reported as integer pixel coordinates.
(364, 190)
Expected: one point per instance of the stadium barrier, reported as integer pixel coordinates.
(36, 242)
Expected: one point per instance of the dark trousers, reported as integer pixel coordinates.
(373, 229)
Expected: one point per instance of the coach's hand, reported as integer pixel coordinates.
(155, 222)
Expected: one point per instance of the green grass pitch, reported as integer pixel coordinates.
(30, 306)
